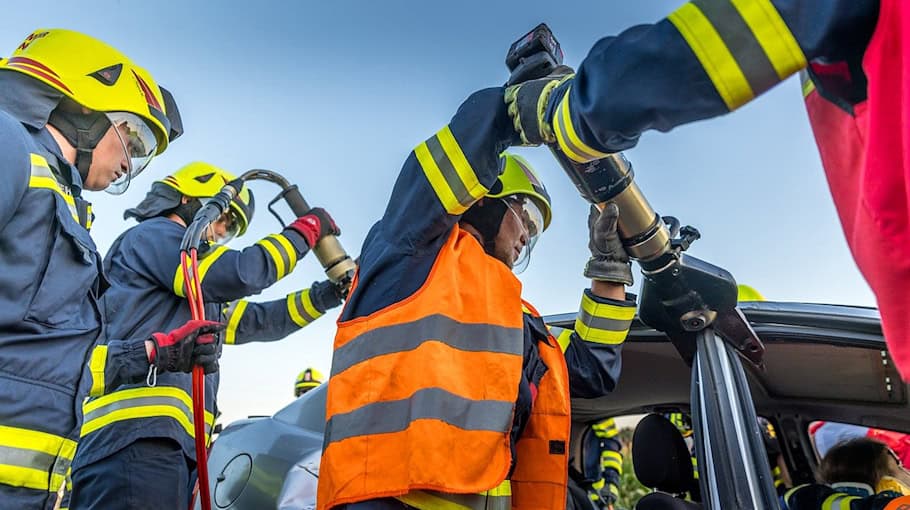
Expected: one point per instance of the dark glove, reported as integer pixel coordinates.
(192, 344)
(326, 295)
(609, 261)
(527, 105)
(314, 225)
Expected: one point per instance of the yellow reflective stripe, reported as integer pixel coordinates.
(449, 172)
(713, 55)
(606, 428)
(611, 460)
(204, 265)
(127, 405)
(564, 339)
(34, 459)
(773, 35)
(289, 250)
(602, 322)
(96, 366)
(838, 502)
(276, 256)
(88, 218)
(301, 308)
(236, 312)
(497, 498)
(567, 136)
(792, 491)
(42, 177)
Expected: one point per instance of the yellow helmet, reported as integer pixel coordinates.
(100, 78)
(204, 180)
(307, 380)
(748, 293)
(519, 178)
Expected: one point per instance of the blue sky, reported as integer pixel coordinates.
(335, 94)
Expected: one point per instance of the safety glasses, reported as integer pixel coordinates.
(139, 145)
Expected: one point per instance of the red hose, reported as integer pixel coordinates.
(193, 289)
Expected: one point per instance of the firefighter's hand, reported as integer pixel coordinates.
(192, 344)
(326, 295)
(609, 261)
(314, 225)
(527, 105)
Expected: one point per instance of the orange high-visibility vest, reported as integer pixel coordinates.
(422, 392)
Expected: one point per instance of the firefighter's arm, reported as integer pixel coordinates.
(444, 175)
(266, 322)
(115, 363)
(593, 348)
(610, 459)
(228, 275)
(707, 58)
(15, 161)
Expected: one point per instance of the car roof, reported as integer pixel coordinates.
(821, 362)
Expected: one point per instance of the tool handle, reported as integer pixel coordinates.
(295, 201)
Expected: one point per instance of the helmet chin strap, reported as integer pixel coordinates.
(82, 130)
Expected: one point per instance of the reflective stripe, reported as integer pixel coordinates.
(743, 45)
(499, 498)
(232, 315)
(426, 404)
(449, 172)
(838, 502)
(564, 339)
(694, 467)
(603, 323)
(301, 309)
(567, 136)
(164, 401)
(288, 249)
(204, 265)
(277, 254)
(791, 492)
(33, 459)
(96, 366)
(611, 460)
(606, 428)
(42, 177)
(410, 335)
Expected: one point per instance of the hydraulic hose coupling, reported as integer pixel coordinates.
(335, 261)
(611, 179)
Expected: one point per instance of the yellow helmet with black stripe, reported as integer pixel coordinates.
(519, 178)
(307, 380)
(204, 180)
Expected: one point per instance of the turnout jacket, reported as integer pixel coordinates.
(147, 295)
(444, 383)
(50, 317)
(710, 57)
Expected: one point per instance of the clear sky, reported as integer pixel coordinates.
(335, 94)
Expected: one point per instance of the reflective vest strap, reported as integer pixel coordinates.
(43, 177)
(33, 459)
(136, 403)
(498, 498)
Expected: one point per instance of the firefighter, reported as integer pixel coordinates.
(606, 489)
(439, 366)
(307, 380)
(710, 57)
(140, 433)
(75, 114)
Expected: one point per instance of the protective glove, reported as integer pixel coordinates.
(609, 261)
(192, 344)
(314, 225)
(326, 295)
(527, 105)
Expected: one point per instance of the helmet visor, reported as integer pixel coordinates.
(530, 218)
(139, 145)
(225, 228)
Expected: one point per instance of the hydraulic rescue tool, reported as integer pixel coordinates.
(338, 266)
(688, 299)
(681, 294)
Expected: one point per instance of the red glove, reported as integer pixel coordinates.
(192, 344)
(314, 225)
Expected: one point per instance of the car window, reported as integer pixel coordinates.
(826, 434)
